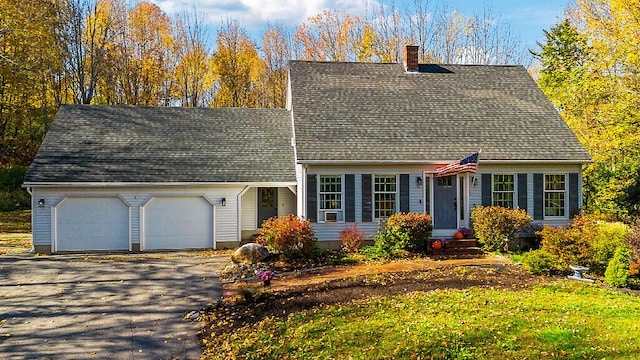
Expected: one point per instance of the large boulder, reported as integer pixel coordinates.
(250, 253)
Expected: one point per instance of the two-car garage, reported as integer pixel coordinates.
(110, 223)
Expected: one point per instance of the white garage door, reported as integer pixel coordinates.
(92, 223)
(178, 223)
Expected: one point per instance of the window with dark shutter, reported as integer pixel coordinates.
(350, 198)
(404, 193)
(367, 210)
(522, 191)
(486, 190)
(312, 198)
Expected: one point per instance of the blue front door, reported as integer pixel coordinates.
(444, 203)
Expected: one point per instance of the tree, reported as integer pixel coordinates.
(590, 72)
(193, 78)
(31, 63)
(276, 54)
(237, 68)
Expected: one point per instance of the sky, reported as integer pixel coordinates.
(527, 19)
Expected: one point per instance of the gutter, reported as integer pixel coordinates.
(439, 162)
(145, 184)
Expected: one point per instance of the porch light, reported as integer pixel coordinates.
(41, 203)
(419, 181)
(223, 202)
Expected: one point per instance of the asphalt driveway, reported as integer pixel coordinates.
(120, 307)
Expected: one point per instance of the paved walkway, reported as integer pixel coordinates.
(119, 307)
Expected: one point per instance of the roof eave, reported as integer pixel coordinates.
(145, 184)
(436, 162)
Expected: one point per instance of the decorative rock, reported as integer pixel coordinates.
(250, 253)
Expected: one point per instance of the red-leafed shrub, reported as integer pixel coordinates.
(352, 239)
(289, 236)
(495, 224)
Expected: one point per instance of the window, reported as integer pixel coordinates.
(554, 195)
(503, 190)
(384, 192)
(330, 198)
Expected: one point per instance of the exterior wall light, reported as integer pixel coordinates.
(41, 203)
(223, 202)
(419, 181)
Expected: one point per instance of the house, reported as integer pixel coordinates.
(357, 142)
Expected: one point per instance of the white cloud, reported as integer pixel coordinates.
(254, 14)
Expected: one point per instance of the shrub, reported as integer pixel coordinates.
(539, 262)
(618, 271)
(404, 232)
(633, 239)
(352, 239)
(568, 245)
(493, 224)
(289, 236)
(607, 238)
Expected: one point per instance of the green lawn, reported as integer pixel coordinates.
(568, 320)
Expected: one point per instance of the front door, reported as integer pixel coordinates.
(444, 203)
(267, 204)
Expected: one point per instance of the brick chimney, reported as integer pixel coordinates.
(411, 58)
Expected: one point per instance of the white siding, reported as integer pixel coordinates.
(226, 222)
(475, 194)
(331, 231)
(286, 202)
(250, 209)
(416, 193)
(300, 189)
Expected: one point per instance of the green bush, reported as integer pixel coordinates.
(607, 238)
(12, 195)
(289, 236)
(404, 232)
(493, 224)
(570, 245)
(539, 262)
(618, 271)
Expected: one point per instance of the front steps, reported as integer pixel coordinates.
(461, 247)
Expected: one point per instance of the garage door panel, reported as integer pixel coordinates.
(92, 223)
(178, 223)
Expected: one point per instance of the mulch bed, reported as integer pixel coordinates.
(236, 312)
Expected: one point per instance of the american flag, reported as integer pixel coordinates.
(468, 164)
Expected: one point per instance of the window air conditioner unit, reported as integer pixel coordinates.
(330, 216)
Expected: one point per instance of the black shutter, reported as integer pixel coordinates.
(538, 196)
(573, 195)
(404, 193)
(367, 210)
(350, 198)
(486, 190)
(312, 198)
(522, 191)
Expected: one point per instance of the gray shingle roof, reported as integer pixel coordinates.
(379, 112)
(159, 144)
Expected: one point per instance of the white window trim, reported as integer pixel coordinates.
(373, 194)
(342, 199)
(565, 192)
(515, 188)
